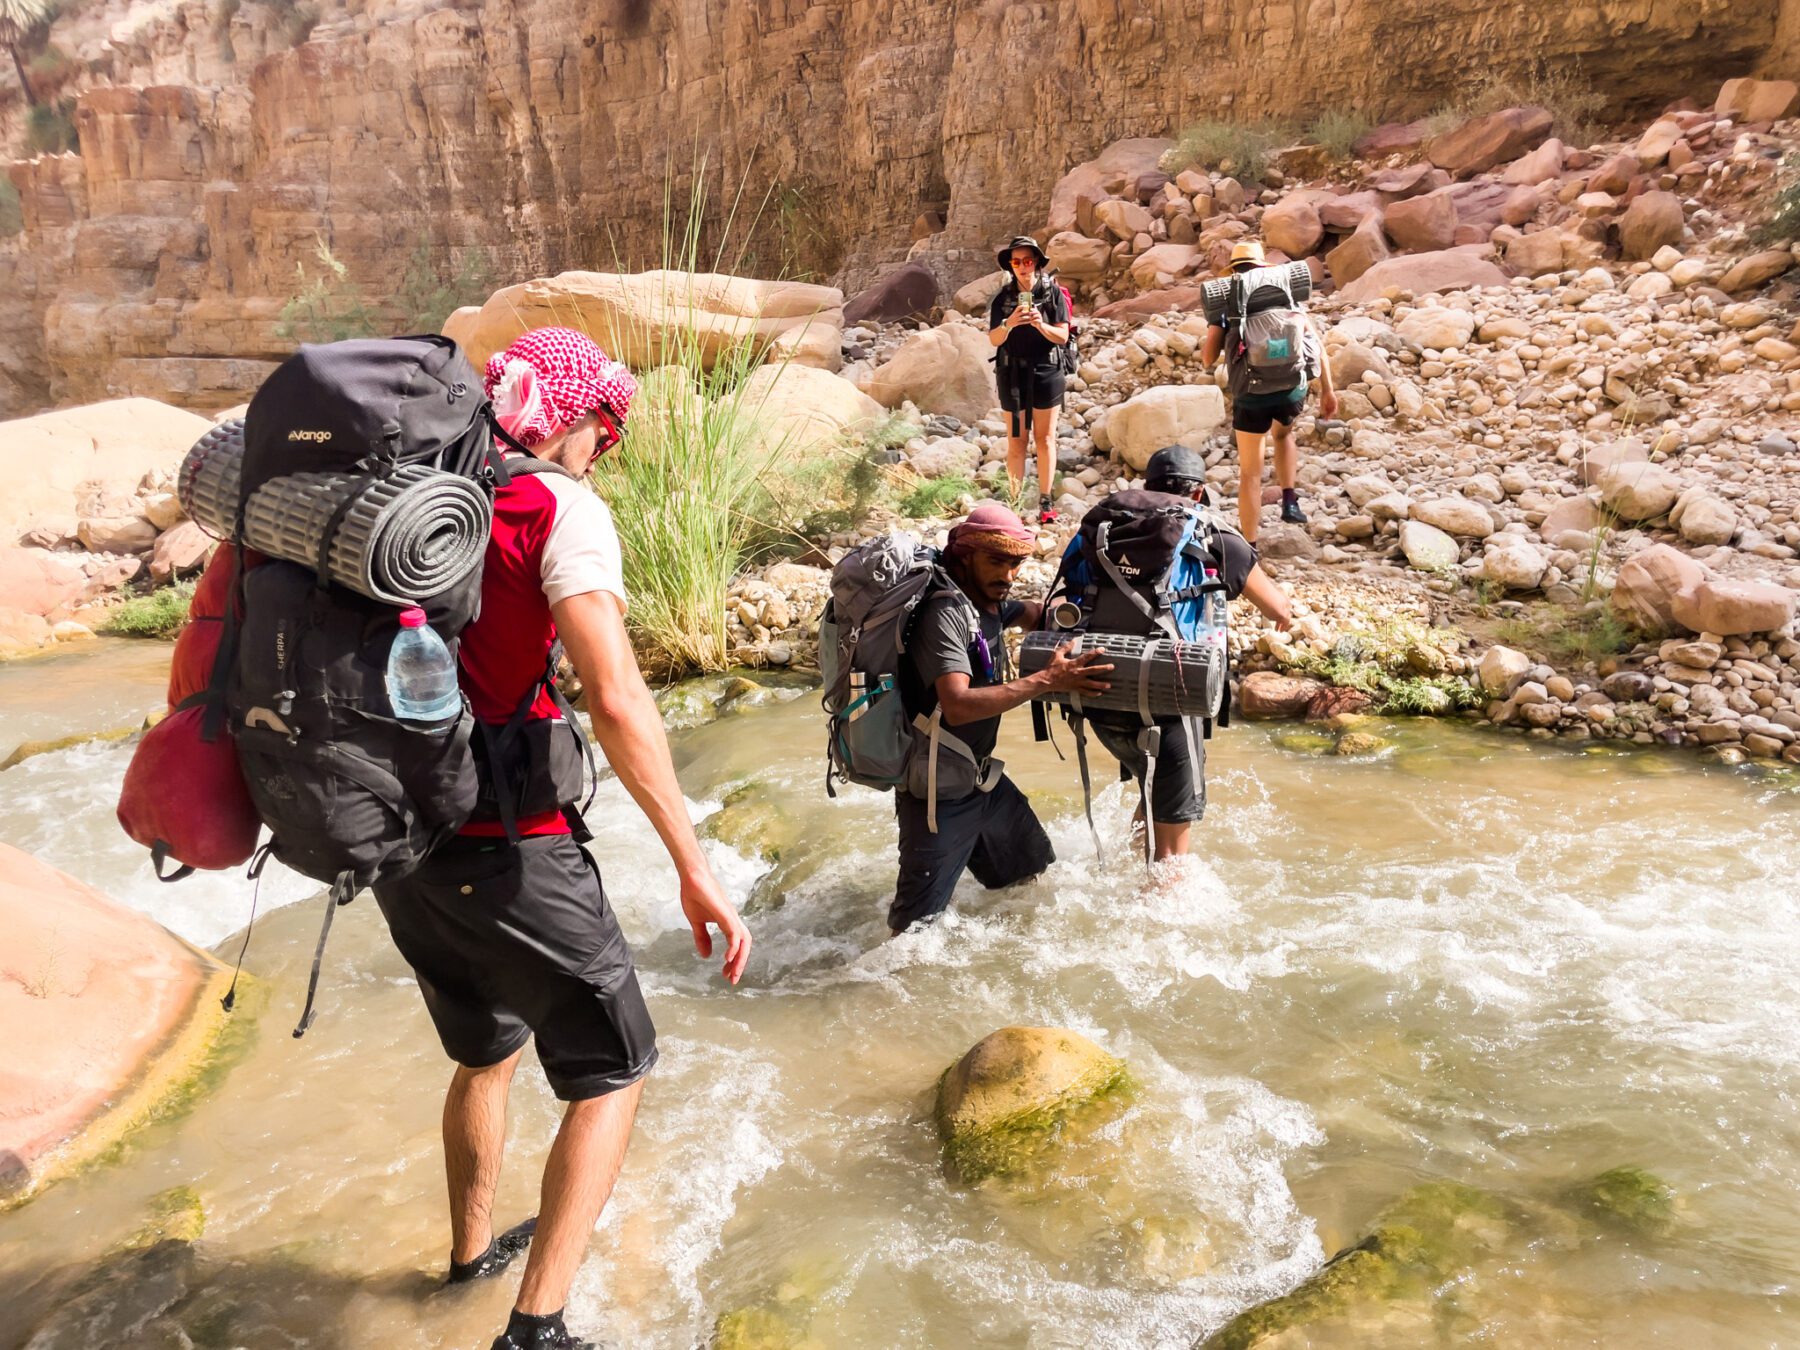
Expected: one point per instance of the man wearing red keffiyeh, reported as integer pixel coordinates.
(507, 927)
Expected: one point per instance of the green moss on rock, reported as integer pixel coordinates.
(175, 1214)
(1416, 1243)
(1628, 1198)
(1002, 1108)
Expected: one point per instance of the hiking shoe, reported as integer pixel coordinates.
(1292, 514)
(546, 1333)
(500, 1253)
(1047, 516)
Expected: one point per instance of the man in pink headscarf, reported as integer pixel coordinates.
(956, 665)
(507, 927)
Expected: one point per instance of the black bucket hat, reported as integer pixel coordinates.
(1004, 256)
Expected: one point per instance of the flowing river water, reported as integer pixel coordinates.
(1473, 958)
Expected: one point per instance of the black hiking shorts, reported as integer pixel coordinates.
(511, 942)
(1258, 421)
(995, 835)
(1042, 386)
(1178, 781)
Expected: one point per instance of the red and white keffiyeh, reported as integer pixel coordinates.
(551, 378)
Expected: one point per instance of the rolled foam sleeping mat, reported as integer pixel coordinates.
(402, 538)
(1215, 293)
(1169, 678)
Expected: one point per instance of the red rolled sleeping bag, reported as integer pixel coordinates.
(184, 796)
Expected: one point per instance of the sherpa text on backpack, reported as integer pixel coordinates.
(1269, 345)
(1142, 564)
(877, 592)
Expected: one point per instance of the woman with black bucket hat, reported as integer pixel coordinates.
(1028, 323)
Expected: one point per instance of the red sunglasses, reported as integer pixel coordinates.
(611, 433)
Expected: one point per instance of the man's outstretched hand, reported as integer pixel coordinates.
(703, 904)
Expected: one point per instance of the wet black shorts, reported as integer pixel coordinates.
(1035, 387)
(514, 942)
(1259, 420)
(1178, 782)
(994, 834)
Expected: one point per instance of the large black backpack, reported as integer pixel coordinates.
(352, 795)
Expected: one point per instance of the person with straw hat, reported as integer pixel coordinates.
(1254, 416)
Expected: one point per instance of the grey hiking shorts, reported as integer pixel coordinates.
(511, 942)
(1178, 782)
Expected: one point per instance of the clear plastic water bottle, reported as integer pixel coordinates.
(1214, 613)
(421, 676)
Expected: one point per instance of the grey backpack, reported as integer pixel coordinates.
(1269, 347)
(877, 591)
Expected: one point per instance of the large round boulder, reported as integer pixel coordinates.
(910, 291)
(1168, 414)
(1643, 596)
(1004, 1103)
(1450, 269)
(804, 409)
(947, 369)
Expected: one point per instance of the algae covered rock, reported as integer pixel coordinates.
(1005, 1103)
(752, 820)
(1415, 1244)
(1627, 1198)
(759, 1329)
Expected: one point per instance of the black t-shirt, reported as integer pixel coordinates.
(1233, 559)
(943, 642)
(1026, 345)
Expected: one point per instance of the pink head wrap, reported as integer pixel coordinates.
(551, 378)
(992, 528)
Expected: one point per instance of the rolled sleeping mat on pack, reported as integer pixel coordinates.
(400, 539)
(1216, 294)
(1158, 676)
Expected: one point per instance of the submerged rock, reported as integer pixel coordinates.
(1006, 1102)
(116, 1303)
(1422, 1239)
(1627, 1198)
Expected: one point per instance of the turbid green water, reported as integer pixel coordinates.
(1473, 959)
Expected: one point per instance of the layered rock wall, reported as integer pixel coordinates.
(546, 136)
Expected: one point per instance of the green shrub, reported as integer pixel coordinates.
(12, 215)
(159, 614)
(1337, 131)
(936, 496)
(1572, 101)
(1565, 635)
(435, 283)
(329, 307)
(1237, 148)
(1397, 662)
(50, 128)
(1783, 223)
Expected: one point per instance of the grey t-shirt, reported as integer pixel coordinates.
(944, 642)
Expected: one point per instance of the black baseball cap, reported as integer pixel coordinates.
(1175, 463)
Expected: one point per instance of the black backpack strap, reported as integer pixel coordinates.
(342, 892)
(1078, 724)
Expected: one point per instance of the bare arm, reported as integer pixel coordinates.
(628, 725)
(1269, 597)
(961, 704)
(1328, 400)
(1212, 345)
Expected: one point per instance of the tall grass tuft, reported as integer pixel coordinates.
(1336, 131)
(158, 614)
(702, 473)
(1575, 105)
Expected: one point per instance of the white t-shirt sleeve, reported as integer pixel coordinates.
(581, 553)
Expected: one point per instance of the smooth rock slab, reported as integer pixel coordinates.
(106, 1013)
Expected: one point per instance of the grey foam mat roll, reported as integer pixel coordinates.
(1215, 294)
(1177, 679)
(405, 537)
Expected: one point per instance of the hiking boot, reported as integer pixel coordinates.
(544, 1333)
(501, 1251)
(1291, 512)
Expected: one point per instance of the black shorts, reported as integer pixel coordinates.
(1259, 420)
(1178, 782)
(1032, 387)
(514, 942)
(995, 835)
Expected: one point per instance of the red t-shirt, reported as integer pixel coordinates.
(553, 538)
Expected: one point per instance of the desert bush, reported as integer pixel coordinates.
(1237, 148)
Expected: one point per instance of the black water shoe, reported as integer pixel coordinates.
(526, 1332)
(1291, 512)
(498, 1256)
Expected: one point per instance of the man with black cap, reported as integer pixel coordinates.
(1028, 322)
(1177, 788)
